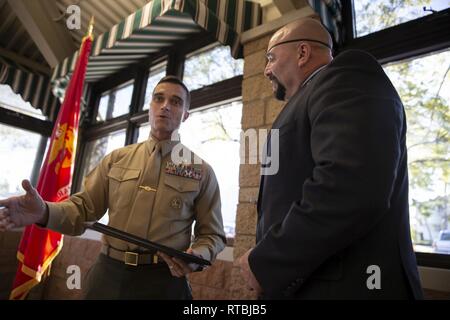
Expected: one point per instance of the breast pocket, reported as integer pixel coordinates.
(122, 184)
(180, 196)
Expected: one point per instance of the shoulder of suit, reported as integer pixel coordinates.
(349, 61)
(355, 56)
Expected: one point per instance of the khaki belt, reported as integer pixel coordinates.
(131, 258)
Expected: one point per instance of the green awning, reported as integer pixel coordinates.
(33, 87)
(158, 25)
(330, 12)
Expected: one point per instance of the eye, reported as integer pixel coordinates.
(269, 58)
(176, 102)
(158, 98)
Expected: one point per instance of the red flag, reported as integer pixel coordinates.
(39, 246)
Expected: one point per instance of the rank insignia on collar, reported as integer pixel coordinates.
(183, 170)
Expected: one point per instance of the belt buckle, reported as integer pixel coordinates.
(131, 258)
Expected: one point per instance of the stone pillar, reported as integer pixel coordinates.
(259, 111)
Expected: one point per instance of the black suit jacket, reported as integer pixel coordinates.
(339, 202)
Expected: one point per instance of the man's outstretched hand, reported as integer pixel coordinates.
(23, 210)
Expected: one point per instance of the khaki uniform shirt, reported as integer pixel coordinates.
(179, 201)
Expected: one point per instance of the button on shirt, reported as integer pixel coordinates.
(118, 183)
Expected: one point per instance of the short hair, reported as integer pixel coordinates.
(176, 80)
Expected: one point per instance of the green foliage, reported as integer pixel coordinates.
(373, 16)
(210, 67)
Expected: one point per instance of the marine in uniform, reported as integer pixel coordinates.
(153, 191)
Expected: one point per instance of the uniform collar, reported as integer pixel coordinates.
(166, 145)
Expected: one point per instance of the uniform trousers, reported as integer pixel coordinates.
(112, 279)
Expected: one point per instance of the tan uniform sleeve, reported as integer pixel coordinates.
(209, 235)
(88, 205)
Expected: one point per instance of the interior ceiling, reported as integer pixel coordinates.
(107, 13)
(14, 37)
(34, 32)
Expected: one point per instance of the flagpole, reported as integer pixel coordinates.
(91, 27)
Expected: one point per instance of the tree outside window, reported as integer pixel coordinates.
(372, 16)
(424, 86)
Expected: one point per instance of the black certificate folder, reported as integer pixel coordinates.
(144, 243)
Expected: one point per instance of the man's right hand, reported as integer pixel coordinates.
(23, 210)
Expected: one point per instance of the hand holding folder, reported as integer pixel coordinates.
(144, 243)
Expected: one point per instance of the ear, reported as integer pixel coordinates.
(185, 116)
(303, 53)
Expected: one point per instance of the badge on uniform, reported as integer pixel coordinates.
(183, 170)
(176, 203)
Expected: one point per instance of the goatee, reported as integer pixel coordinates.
(280, 93)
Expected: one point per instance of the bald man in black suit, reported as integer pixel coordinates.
(333, 222)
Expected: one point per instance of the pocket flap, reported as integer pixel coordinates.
(182, 184)
(123, 174)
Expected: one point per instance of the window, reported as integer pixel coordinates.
(372, 16)
(211, 66)
(97, 149)
(144, 132)
(115, 102)
(156, 73)
(211, 133)
(13, 101)
(424, 86)
(18, 151)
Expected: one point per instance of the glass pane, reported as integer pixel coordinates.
(115, 102)
(424, 86)
(18, 150)
(13, 101)
(97, 149)
(154, 76)
(371, 16)
(211, 134)
(211, 66)
(144, 132)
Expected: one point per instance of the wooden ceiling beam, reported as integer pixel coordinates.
(24, 61)
(52, 38)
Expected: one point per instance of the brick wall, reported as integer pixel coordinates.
(212, 283)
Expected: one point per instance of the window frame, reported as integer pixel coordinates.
(407, 40)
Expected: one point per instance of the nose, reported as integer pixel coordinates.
(165, 105)
(267, 71)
